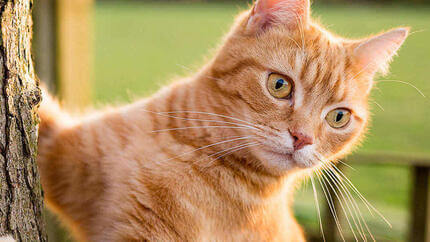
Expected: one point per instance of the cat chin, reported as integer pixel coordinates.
(284, 162)
(301, 157)
(304, 162)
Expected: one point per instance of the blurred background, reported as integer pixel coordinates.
(109, 52)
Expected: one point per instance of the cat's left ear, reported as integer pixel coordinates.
(374, 55)
(268, 13)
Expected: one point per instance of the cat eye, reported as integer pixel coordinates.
(338, 118)
(279, 86)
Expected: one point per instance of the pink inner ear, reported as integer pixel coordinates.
(295, 4)
(375, 53)
(268, 4)
(290, 13)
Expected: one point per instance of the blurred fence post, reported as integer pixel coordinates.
(420, 205)
(63, 48)
(63, 56)
(74, 58)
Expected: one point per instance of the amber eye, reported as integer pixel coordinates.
(338, 118)
(280, 86)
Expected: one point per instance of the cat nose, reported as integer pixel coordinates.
(300, 140)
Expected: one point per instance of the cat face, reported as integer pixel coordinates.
(304, 88)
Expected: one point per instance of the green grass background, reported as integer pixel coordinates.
(140, 47)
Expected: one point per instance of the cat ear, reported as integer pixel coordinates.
(266, 13)
(374, 55)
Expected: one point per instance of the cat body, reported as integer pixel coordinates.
(116, 180)
(216, 157)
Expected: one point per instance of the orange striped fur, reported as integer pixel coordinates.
(215, 157)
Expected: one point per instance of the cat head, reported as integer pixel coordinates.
(306, 89)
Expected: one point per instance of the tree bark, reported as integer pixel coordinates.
(21, 201)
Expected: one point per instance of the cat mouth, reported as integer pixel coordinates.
(286, 156)
(283, 154)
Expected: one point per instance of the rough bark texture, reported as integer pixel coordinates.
(21, 200)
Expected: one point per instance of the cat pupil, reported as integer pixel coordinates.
(339, 116)
(279, 84)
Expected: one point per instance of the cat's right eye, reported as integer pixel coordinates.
(338, 118)
(279, 86)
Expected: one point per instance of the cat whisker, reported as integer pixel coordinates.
(184, 67)
(324, 179)
(377, 104)
(345, 164)
(369, 206)
(417, 31)
(362, 70)
(230, 151)
(199, 127)
(231, 148)
(327, 164)
(212, 114)
(237, 149)
(211, 145)
(342, 177)
(352, 200)
(342, 192)
(330, 204)
(201, 120)
(317, 206)
(355, 216)
(406, 83)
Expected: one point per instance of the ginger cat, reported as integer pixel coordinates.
(215, 157)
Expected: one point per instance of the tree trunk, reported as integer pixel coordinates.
(21, 199)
